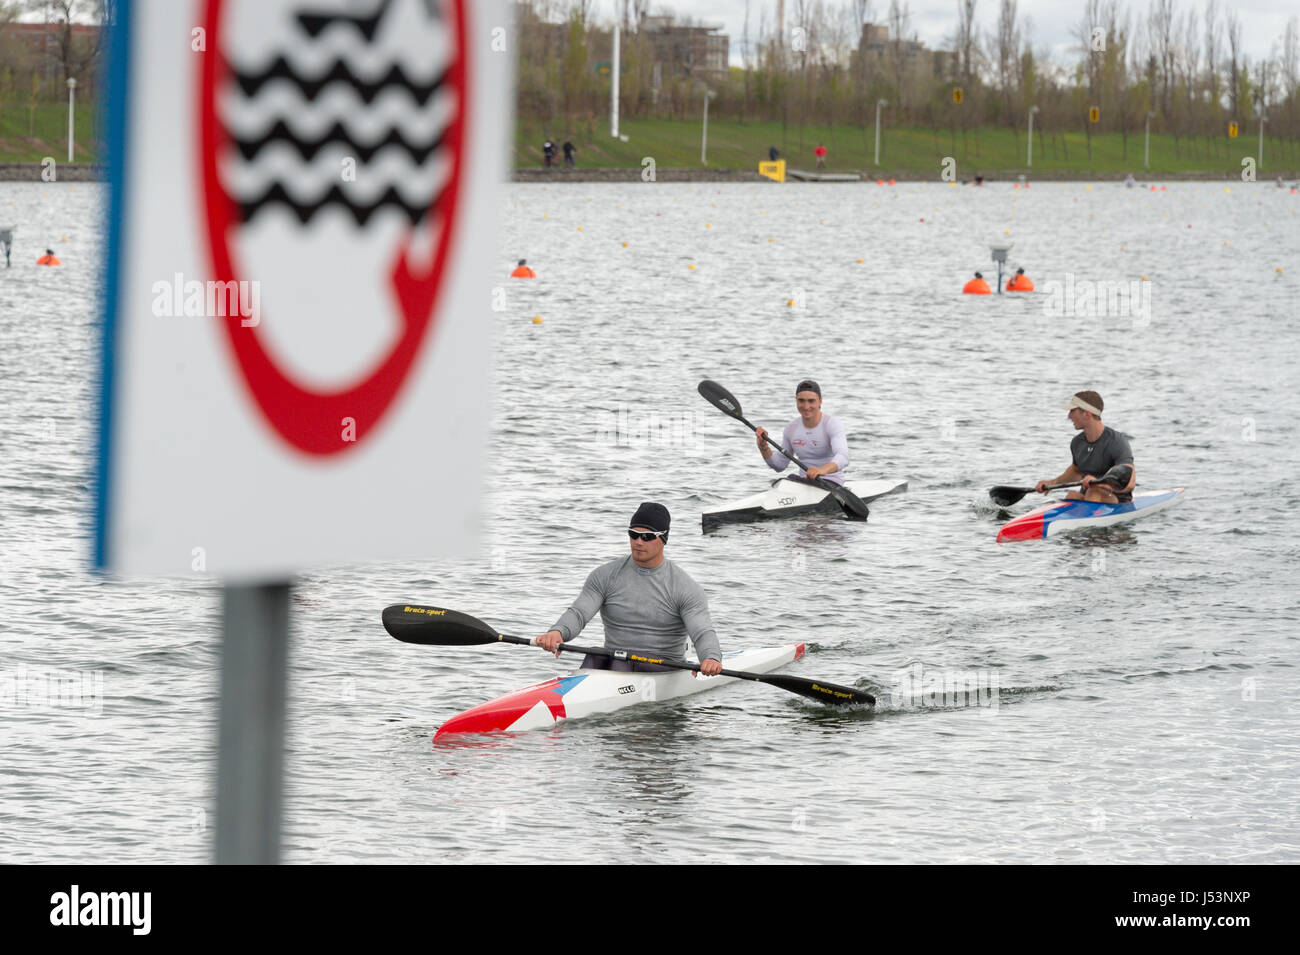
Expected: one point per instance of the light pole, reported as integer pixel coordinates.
(613, 87)
(1146, 149)
(72, 105)
(704, 136)
(1032, 111)
(1262, 120)
(879, 104)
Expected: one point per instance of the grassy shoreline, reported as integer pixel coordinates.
(27, 135)
(909, 152)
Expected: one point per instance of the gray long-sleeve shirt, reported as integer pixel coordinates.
(654, 610)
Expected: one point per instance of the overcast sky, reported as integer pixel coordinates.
(934, 21)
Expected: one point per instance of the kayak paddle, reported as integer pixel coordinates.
(435, 626)
(1005, 496)
(726, 402)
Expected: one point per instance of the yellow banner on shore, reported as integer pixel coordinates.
(773, 170)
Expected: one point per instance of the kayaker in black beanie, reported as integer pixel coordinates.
(645, 602)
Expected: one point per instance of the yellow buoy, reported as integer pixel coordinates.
(789, 302)
(537, 319)
(1279, 270)
(859, 260)
(690, 266)
(708, 225)
(579, 228)
(625, 245)
(1006, 231)
(1145, 279)
(771, 240)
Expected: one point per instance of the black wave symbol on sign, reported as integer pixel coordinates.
(277, 195)
(250, 83)
(315, 23)
(337, 134)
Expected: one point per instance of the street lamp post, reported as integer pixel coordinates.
(1146, 149)
(1032, 111)
(704, 136)
(72, 105)
(879, 104)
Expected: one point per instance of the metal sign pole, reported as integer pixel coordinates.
(250, 760)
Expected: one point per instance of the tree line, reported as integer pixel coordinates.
(1182, 66)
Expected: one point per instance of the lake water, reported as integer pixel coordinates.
(1139, 698)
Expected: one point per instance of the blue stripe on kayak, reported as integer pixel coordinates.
(567, 683)
(1074, 510)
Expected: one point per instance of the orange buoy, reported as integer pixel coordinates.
(977, 286)
(522, 271)
(48, 258)
(1020, 283)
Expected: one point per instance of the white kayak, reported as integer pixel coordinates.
(589, 692)
(1061, 516)
(788, 497)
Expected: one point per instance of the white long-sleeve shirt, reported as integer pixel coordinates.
(814, 446)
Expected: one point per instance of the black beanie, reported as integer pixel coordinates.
(653, 516)
(808, 385)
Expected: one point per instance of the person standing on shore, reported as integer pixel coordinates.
(569, 150)
(820, 153)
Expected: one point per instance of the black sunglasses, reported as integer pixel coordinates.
(645, 535)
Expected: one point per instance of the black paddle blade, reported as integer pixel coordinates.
(434, 625)
(853, 505)
(1005, 496)
(719, 397)
(1119, 475)
(820, 691)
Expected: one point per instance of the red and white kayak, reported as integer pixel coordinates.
(1061, 516)
(589, 692)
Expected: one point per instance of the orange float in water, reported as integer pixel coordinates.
(977, 286)
(522, 271)
(48, 258)
(1020, 282)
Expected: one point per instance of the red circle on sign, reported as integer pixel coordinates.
(310, 420)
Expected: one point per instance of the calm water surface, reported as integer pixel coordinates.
(1145, 704)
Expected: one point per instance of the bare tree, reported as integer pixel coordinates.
(900, 20)
(1235, 53)
(1160, 29)
(1008, 47)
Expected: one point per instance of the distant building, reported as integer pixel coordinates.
(699, 52)
(876, 53)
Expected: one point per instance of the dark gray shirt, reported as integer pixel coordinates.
(654, 610)
(1097, 457)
